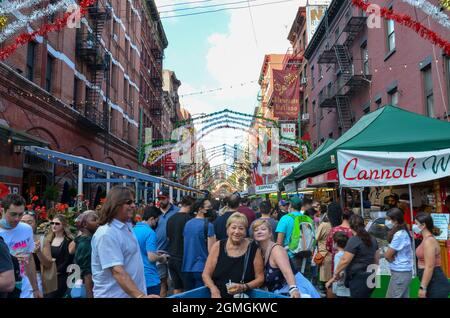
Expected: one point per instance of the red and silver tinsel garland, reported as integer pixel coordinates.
(407, 21)
(43, 30)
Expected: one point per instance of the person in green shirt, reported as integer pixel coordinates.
(87, 224)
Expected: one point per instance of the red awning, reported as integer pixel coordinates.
(327, 177)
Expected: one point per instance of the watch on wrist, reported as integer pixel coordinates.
(423, 288)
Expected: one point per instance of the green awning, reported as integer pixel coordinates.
(388, 129)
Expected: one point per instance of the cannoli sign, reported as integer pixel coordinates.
(376, 168)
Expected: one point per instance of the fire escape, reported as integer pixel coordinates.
(352, 75)
(89, 49)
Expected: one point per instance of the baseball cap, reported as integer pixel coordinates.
(163, 193)
(283, 202)
(296, 203)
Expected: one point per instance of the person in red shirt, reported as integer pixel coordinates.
(244, 209)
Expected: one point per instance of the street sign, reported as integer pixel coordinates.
(266, 188)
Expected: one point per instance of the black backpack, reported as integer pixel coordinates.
(16, 266)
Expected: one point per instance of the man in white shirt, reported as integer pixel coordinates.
(19, 239)
(117, 266)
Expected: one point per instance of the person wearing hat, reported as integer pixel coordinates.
(168, 210)
(284, 208)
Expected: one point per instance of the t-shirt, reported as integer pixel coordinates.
(220, 225)
(6, 263)
(249, 213)
(161, 233)
(195, 247)
(20, 241)
(175, 227)
(147, 243)
(286, 225)
(403, 259)
(363, 255)
(338, 287)
(273, 223)
(114, 244)
(83, 254)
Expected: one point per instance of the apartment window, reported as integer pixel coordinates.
(125, 129)
(428, 91)
(130, 99)
(75, 92)
(314, 112)
(320, 72)
(312, 76)
(393, 97)
(365, 58)
(378, 103)
(125, 93)
(49, 73)
(31, 56)
(390, 35)
(306, 106)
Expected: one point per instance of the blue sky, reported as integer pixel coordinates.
(221, 50)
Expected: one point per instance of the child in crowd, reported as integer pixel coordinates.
(338, 287)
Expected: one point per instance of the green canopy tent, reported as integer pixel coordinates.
(291, 177)
(388, 129)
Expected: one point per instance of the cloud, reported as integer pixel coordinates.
(237, 55)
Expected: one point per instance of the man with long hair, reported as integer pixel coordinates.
(117, 266)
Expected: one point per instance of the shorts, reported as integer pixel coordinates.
(175, 273)
(162, 271)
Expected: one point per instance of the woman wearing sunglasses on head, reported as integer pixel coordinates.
(41, 255)
(62, 250)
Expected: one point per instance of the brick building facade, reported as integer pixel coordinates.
(79, 91)
(353, 70)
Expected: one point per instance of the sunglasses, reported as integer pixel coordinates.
(55, 223)
(30, 213)
(16, 214)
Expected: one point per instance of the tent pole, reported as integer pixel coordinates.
(412, 220)
(108, 184)
(362, 201)
(80, 179)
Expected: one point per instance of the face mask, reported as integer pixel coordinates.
(209, 212)
(4, 223)
(389, 224)
(416, 229)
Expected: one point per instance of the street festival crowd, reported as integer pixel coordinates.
(300, 248)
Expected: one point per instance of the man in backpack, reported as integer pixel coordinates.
(300, 262)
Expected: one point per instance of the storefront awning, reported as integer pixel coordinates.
(323, 179)
(20, 138)
(137, 176)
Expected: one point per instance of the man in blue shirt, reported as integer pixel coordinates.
(146, 236)
(168, 210)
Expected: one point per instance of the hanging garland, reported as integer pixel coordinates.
(3, 21)
(43, 30)
(14, 27)
(17, 5)
(407, 21)
(431, 10)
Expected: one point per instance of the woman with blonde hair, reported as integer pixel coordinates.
(235, 264)
(62, 250)
(277, 269)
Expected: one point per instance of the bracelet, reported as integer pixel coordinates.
(292, 287)
(247, 287)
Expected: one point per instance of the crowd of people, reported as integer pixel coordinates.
(299, 249)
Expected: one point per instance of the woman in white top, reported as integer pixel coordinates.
(399, 254)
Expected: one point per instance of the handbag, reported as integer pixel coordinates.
(319, 258)
(49, 278)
